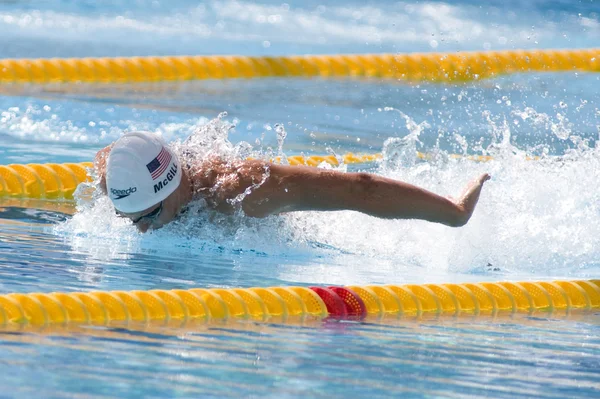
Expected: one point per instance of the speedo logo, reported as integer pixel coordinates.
(118, 194)
(170, 175)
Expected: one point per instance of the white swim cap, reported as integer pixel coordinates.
(141, 172)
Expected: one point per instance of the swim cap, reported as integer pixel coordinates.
(141, 171)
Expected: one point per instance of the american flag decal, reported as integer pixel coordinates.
(159, 164)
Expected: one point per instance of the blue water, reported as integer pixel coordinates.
(535, 220)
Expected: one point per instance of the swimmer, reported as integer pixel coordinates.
(147, 183)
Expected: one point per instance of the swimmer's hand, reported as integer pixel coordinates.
(470, 196)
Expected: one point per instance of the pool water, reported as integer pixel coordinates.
(535, 220)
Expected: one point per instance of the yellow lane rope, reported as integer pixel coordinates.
(102, 307)
(59, 181)
(434, 67)
(45, 181)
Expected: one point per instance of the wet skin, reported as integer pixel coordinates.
(279, 188)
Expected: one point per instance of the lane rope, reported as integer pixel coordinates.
(433, 67)
(351, 302)
(43, 181)
(57, 181)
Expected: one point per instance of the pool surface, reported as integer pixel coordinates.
(536, 220)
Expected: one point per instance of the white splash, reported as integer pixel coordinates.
(534, 216)
(42, 123)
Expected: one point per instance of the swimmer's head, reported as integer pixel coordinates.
(141, 172)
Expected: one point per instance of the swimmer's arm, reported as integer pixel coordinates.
(303, 188)
(100, 166)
